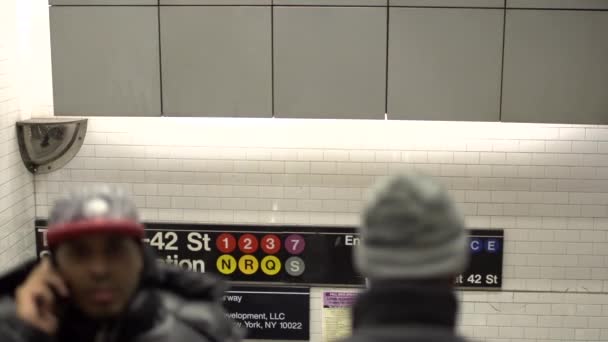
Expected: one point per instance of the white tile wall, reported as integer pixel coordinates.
(16, 184)
(546, 185)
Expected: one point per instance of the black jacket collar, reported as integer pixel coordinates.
(404, 303)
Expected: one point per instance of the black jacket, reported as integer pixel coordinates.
(170, 305)
(401, 311)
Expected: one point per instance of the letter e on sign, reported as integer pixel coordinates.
(492, 246)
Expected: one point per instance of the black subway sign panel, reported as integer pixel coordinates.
(290, 254)
(275, 313)
(485, 267)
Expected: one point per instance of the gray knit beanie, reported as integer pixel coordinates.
(411, 229)
(90, 210)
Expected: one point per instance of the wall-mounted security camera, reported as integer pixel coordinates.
(47, 144)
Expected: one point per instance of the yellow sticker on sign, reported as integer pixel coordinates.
(248, 264)
(226, 264)
(271, 265)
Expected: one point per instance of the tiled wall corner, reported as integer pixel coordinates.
(16, 183)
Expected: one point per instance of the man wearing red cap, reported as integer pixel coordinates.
(101, 284)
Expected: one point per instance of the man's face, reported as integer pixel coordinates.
(102, 272)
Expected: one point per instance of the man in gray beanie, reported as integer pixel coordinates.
(413, 244)
(102, 284)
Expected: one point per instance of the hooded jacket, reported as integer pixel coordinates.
(405, 312)
(170, 305)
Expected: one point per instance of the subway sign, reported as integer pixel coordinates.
(301, 255)
(270, 313)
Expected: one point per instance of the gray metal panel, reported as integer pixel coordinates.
(332, 2)
(572, 4)
(215, 2)
(556, 67)
(449, 3)
(216, 61)
(445, 64)
(105, 61)
(102, 2)
(330, 62)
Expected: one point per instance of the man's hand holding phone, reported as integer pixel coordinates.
(36, 297)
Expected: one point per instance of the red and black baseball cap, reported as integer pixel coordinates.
(92, 211)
